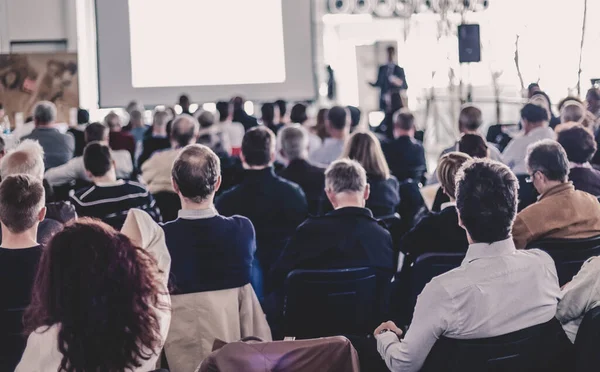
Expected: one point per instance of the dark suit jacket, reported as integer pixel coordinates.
(436, 232)
(344, 238)
(406, 158)
(310, 178)
(586, 179)
(247, 121)
(275, 206)
(386, 86)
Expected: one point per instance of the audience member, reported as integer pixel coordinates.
(212, 135)
(544, 99)
(592, 99)
(138, 127)
(58, 148)
(119, 139)
(21, 210)
(474, 145)
(311, 178)
(270, 117)
(184, 103)
(321, 126)
(241, 116)
(573, 114)
(440, 232)
(532, 89)
(110, 199)
(535, 125)
(574, 214)
(298, 115)
(338, 128)
(580, 147)
(74, 170)
(579, 296)
(347, 237)
(235, 131)
(83, 119)
(355, 115)
(274, 205)
(100, 300)
(283, 116)
(209, 252)
(365, 148)
(156, 171)
(157, 138)
(497, 290)
(405, 155)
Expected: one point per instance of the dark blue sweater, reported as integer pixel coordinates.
(210, 254)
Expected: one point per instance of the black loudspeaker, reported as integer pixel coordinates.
(469, 45)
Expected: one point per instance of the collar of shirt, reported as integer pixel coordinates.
(333, 141)
(110, 184)
(351, 211)
(258, 174)
(486, 250)
(197, 214)
(539, 131)
(563, 187)
(447, 205)
(580, 165)
(46, 129)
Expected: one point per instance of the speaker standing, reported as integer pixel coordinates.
(392, 82)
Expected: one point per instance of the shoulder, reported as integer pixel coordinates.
(120, 154)
(536, 255)
(135, 187)
(82, 194)
(289, 186)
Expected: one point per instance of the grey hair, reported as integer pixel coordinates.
(549, 158)
(161, 118)
(572, 111)
(44, 112)
(27, 158)
(184, 129)
(294, 141)
(345, 175)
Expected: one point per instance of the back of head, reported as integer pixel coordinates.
(473, 145)
(337, 117)
(196, 172)
(549, 158)
(534, 113)
(184, 100)
(106, 320)
(184, 130)
(134, 105)
(238, 103)
(579, 144)
(21, 200)
(448, 168)
(355, 115)
(267, 111)
(83, 116)
(345, 176)
(258, 146)
(97, 159)
(365, 148)
(486, 199)
(566, 100)
(572, 111)
(294, 142)
(593, 94)
(404, 120)
(282, 107)
(206, 119)
(298, 113)
(470, 119)
(113, 121)
(161, 118)
(223, 109)
(44, 113)
(136, 115)
(27, 158)
(96, 132)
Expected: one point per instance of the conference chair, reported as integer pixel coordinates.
(411, 204)
(568, 254)
(543, 347)
(321, 303)
(440, 198)
(527, 193)
(390, 221)
(587, 342)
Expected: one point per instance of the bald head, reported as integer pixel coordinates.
(27, 158)
(184, 131)
(572, 111)
(196, 173)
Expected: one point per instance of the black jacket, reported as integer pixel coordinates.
(406, 158)
(310, 178)
(275, 206)
(344, 238)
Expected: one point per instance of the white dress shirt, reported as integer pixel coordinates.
(514, 154)
(581, 295)
(497, 290)
(74, 169)
(329, 152)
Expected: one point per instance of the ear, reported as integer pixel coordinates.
(174, 186)
(42, 214)
(460, 223)
(367, 192)
(331, 196)
(89, 174)
(218, 183)
(243, 159)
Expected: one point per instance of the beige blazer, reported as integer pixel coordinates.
(200, 318)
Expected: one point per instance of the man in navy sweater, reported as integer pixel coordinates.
(209, 252)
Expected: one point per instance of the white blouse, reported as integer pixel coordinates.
(42, 353)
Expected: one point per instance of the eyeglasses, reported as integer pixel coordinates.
(530, 178)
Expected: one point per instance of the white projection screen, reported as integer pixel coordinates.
(154, 50)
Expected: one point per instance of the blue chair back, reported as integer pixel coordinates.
(587, 342)
(569, 254)
(543, 347)
(322, 303)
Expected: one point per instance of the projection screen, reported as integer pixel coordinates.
(154, 50)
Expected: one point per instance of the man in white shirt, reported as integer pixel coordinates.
(74, 169)
(535, 124)
(497, 290)
(338, 127)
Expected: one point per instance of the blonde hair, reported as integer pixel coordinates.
(447, 168)
(365, 148)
